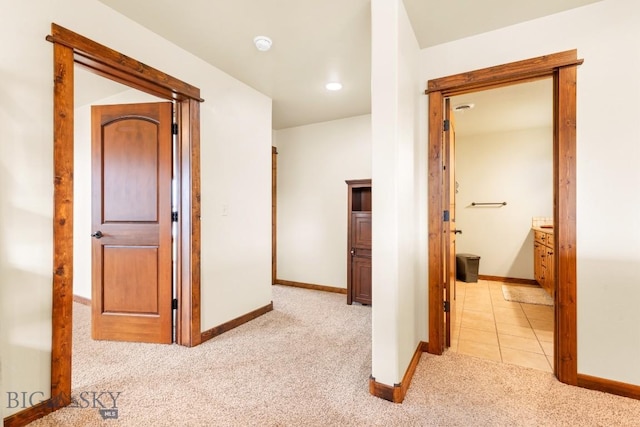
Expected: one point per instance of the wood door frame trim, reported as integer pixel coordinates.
(562, 67)
(69, 49)
(274, 214)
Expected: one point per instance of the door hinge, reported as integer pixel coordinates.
(174, 304)
(174, 216)
(446, 125)
(445, 216)
(447, 307)
(174, 128)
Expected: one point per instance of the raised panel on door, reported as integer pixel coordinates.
(361, 230)
(361, 271)
(131, 220)
(130, 279)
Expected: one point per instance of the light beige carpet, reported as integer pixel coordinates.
(307, 363)
(526, 294)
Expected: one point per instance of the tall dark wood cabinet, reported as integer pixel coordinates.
(359, 241)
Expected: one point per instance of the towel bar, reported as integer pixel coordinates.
(489, 203)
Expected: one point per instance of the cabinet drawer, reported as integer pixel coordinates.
(543, 237)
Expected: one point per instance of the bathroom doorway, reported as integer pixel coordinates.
(562, 68)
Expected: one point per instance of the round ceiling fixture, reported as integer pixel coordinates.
(333, 86)
(263, 43)
(463, 107)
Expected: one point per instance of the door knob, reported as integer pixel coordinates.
(98, 234)
(353, 251)
(454, 231)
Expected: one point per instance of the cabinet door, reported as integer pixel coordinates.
(361, 270)
(537, 236)
(361, 230)
(361, 257)
(549, 274)
(359, 242)
(538, 263)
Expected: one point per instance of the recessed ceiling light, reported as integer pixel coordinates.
(263, 43)
(463, 107)
(333, 86)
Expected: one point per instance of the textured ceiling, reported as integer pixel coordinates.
(314, 42)
(439, 21)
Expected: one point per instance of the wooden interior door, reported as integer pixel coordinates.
(131, 220)
(359, 204)
(450, 230)
(361, 257)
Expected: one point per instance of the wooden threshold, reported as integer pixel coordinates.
(397, 392)
(508, 280)
(310, 286)
(234, 323)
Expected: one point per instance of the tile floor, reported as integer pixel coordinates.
(489, 327)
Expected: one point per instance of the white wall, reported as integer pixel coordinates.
(314, 161)
(396, 314)
(607, 36)
(236, 203)
(515, 167)
(26, 204)
(236, 163)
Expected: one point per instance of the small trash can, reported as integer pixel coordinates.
(467, 266)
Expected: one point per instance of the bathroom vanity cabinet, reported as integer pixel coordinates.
(543, 259)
